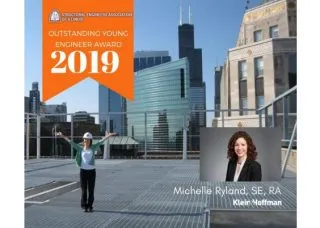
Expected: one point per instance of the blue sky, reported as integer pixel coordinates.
(216, 24)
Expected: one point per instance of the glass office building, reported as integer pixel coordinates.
(110, 101)
(163, 92)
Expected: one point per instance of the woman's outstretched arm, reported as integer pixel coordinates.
(107, 135)
(73, 144)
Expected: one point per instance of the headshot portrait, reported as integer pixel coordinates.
(240, 154)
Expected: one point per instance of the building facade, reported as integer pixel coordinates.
(163, 92)
(217, 81)
(161, 133)
(146, 59)
(26, 104)
(83, 116)
(56, 109)
(110, 101)
(197, 98)
(55, 146)
(34, 99)
(263, 64)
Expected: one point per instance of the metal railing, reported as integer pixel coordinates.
(206, 219)
(283, 115)
(172, 132)
(159, 134)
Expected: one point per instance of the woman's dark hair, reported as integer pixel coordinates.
(90, 142)
(251, 151)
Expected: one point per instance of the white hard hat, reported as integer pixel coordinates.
(87, 135)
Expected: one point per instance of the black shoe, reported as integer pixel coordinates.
(85, 210)
(90, 209)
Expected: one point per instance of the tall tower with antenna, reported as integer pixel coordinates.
(247, 4)
(197, 86)
(180, 18)
(189, 14)
(187, 49)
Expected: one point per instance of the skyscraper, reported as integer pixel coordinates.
(217, 82)
(26, 104)
(109, 101)
(34, 98)
(197, 86)
(186, 49)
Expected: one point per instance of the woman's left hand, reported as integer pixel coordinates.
(110, 134)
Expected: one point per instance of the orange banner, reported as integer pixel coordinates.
(83, 39)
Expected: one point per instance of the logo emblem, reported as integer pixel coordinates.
(54, 16)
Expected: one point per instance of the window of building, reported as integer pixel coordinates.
(292, 67)
(257, 35)
(243, 88)
(150, 61)
(143, 63)
(259, 88)
(243, 105)
(158, 60)
(182, 82)
(111, 126)
(274, 31)
(166, 59)
(259, 101)
(293, 33)
(243, 70)
(258, 66)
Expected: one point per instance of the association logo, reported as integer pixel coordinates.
(54, 16)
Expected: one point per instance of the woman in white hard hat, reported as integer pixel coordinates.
(86, 161)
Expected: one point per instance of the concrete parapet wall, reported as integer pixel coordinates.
(292, 162)
(238, 121)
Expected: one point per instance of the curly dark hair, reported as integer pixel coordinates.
(251, 152)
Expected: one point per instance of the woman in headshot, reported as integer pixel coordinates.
(86, 161)
(242, 155)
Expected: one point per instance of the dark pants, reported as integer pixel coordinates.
(87, 182)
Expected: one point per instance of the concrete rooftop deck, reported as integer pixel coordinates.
(140, 193)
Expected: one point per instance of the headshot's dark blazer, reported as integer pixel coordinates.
(251, 171)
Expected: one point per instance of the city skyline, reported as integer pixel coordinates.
(213, 35)
(15, 49)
